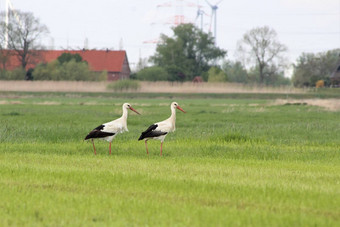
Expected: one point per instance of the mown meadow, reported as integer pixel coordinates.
(231, 162)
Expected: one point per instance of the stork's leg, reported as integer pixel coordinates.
(110, 148)
(146, 146)
(94, 148)
(161, 147)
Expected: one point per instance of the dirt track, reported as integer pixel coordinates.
(146, 87)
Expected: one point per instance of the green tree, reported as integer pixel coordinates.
(154, 73)
(274, 76)
(66, 57)
(189, 53)
(235, 72)
(260, 47)
(312, 67)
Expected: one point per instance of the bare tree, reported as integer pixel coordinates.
(24, 35)
(261, 47)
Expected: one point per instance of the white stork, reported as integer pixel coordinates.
(159, 130)
(109, 130)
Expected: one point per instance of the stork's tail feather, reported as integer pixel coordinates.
(88, 137)
(151, 127)
(98, 134)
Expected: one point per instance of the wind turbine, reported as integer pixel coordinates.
(8, 7)
(200, 13)
(214, 14)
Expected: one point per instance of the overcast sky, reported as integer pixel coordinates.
(302, 25)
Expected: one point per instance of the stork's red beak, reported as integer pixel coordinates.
(178, 107)
(134, 110)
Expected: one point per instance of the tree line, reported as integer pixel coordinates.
(187, 54)
(260, 60)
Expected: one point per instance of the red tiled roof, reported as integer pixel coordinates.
(98, 60)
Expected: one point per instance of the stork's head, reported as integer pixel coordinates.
(175, 105)
(128, 106)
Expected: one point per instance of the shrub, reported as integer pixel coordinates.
(98, 76)
(216, 75)
(71, 70)
(3, 74)
(16, 74)
(154, 73)
(124, 85)
(46, 71)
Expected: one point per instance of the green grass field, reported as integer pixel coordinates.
(231, 162)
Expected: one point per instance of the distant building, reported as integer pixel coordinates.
(335, 76)
(114, 62)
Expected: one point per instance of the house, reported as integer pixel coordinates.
(335, 76)
(115, 63)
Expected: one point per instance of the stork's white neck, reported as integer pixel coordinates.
(123, 119)
(173, 115)
(125, 113)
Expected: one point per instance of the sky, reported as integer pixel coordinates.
(135, 25)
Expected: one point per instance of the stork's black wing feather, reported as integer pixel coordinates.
(151, 132)
(97, 133)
